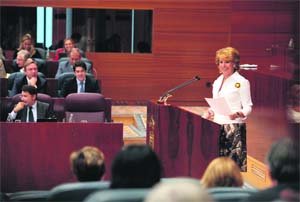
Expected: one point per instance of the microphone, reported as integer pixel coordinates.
(166, 95)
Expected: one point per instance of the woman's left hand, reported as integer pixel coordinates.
(236, 115)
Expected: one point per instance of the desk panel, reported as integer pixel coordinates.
(36, 155)
(185, 142)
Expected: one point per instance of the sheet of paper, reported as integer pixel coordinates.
(219, 105)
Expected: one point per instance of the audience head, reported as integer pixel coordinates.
(283, 161)
(294, 95)
(80, 70)
(74, 56)
(180, 191)
(222, 172)
(30, 68)
(28, 95)
(68, 45)
(88, 164)
(26, 43)
(22, 56)
(228, 54)
(135, 166)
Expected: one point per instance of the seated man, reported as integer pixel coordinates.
(67, 66)
(80, 83)
(22, 56)
(29, 109)
(283, 163)
(30, 77)
(87, 164)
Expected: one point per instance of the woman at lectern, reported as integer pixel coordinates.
(236, 91)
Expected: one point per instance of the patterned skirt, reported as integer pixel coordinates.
(232, 143)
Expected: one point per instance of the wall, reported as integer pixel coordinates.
(186, 35)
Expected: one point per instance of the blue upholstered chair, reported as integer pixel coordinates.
(229, 194)
(34, 195)
(76, 191)
(119, 195)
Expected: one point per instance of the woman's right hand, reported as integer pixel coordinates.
(209, 114)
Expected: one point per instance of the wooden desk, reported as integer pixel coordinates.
(36, 155)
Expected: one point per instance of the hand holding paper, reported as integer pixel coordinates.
(219, 105)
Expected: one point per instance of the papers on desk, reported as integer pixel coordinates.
(219, 105)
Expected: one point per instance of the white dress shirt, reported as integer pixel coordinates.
(79, 85)
(236, 91)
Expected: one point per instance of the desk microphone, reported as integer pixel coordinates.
(166, 95)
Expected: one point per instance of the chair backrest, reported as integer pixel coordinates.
(119, 195)
(77, 191)
(11, 79)
(8, 64)
(52, 84)
(228, 194)
(64, 77)
(42, 52)
(90, 107)
(51, 67)
(40, 97)
(38, 195)
(3, 197)
(3, 85)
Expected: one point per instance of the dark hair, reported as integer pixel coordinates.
(136, 166)
(283, 159)
(30, 89)
(79, 64)
(88, 164)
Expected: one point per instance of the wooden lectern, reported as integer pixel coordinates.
(185, 142)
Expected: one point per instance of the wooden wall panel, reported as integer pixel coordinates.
(141, 77)
(253, 22)
(192, 21)
(186, 35)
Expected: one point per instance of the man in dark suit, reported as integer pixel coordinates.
(30, 77)
(80, 83)
(29, 109)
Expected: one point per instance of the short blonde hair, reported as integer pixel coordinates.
(228, 54)
(88, 163)
(222, 172)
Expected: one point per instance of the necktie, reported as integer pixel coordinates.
(81, 90)
(30, 115)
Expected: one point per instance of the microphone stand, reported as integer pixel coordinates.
(163, 99)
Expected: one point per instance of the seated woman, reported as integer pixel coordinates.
(65, 51)
(222, 172)
(26, 43)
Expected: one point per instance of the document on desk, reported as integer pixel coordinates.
(219, 105)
